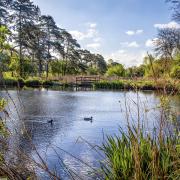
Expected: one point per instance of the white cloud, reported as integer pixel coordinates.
(131, 32)
(121, 51)
(92, 25)
(98, 39)
(91, 32)
(132, 44)
(77, 35)
(139, 31)
(84, 35)
(171, 24)
(151, 42)
(93, 45)
(127, 58)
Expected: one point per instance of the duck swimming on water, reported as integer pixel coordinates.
(50, 121)
(88, 118)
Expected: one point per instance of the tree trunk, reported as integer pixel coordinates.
(40, 68)
(47, 70)
(20, 62)
(20, 46)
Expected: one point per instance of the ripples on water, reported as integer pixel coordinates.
(68, 109)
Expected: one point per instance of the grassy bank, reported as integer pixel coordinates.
(168, 85)
(140, 85)
(33, 82)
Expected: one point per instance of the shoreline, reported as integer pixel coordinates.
(170, 86)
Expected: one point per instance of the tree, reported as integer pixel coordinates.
(100, 64)
(134, 71)
(175, 70)
(53, 36)
(35, 42)
(85, 60)
(71, 53)
(176, 8)
(4, 5)
(92, 71)
(168, 39)
(112, 63)
(4, 48)
(117, 70)
(56, 67)
(24, 11)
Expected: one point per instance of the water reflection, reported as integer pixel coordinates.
(68, 109)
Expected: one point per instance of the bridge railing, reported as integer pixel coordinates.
(87, 79)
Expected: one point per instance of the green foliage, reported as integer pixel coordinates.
(57, 67)
(168, 85)
(9, 82)
(37, 38)
(175, 72)
(92, 71)
(3, 104)
(29, 68)
(134, 71)
(100, 64)
(4, 32)
(33, 83)
(117, 70)
(4, 48)
(47, 83)
(109, 85)
(143, 156)
(3, 129)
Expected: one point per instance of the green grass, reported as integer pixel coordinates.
(169, 85)
(125, 84)
(133, 156)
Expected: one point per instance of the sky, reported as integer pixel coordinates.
(122, 30)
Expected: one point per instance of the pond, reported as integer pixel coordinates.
(69, 134)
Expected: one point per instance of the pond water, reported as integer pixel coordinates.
(69, 132)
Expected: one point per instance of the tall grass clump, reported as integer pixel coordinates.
(141, 153)
(141, 157)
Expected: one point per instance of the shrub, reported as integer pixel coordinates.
(9, 82)
(48, 83)
(175, 73)
(33, 83)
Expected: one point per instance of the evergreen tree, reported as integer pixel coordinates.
(24, 12)
(4, 5)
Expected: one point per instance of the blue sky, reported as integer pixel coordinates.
(117, 29)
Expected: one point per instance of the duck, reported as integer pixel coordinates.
(88, 118)
(50, 121)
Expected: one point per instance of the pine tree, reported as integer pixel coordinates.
(4, 5)
(24, 12)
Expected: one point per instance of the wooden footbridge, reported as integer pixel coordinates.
(86, 80)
